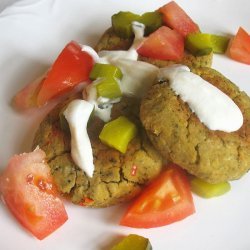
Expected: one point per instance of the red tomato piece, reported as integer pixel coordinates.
(176, 18)
(166, 200)
(239, 47)
(163, 44)
(28, 190)
(27, 97)
(70, 68)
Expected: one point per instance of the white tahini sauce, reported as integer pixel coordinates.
(103, 106)
(111, 56)
(77, 115)
(138, 76)
(91, 52)
(213, 108)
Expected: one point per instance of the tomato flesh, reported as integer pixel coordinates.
(70, 68)
(27, 97)
(163, 44)
(28, 191)
(176, 18)
(239, 47)
(166, 200)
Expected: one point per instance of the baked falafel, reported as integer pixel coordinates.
(117, 177)
(214, 156)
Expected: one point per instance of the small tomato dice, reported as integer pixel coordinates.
(70, 68)
(239, 47)
(166, 200)
(28, 191)
(176, 18)
(163, 44)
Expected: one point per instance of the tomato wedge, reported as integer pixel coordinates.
(28, 191)
(176, 18)
(166, 200)
(163, 44)
(27, 97)
(70, 68)
(239, 47)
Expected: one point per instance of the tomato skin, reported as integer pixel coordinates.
(71, 67)
(239, 47)
(26, 98)
(166, 200)
(28, 191)
(176, 18)
(163, 44)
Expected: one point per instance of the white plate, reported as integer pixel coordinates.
(32, 33)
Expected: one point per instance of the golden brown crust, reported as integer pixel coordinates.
(177, 133)
(113, 181)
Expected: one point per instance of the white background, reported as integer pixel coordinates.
(5, 3)
(32, 33)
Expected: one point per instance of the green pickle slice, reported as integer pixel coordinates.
(133, 242)
(105, 70)
(208, 190)
(122, 22)
(118, 133)
(202, 44)
(220, 43)
(109, 88)
(152, 21)
(203, 52)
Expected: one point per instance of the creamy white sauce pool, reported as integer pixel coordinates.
(138, 77)
(77, 115)
(213, 108)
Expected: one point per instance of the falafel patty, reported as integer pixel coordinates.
(117, 177)
(110, 41)
(178, 134)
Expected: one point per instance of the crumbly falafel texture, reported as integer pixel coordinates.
(178, 134)
(117, 177)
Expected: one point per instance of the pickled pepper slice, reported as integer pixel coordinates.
(208, 190)
(109, 88)
(122, 22)
(201, 43)
(152, 21)
(105, 70)
(118, 133)
(133, 241)
(220, 43)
